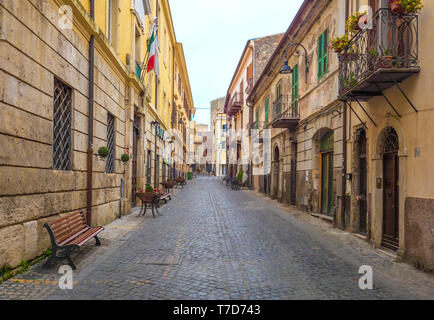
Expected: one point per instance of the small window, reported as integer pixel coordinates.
(62, 126)
(110, 164)
(294, 86)
(323, 54)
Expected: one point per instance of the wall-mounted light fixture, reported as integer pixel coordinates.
(286, 69)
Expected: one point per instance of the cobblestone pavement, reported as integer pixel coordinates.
(215, 243)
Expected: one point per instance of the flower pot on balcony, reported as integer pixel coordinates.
(385, 62)
(363, 20)
(396, 7)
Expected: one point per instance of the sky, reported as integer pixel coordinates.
(214, 34)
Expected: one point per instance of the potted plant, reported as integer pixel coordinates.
(103, 153)
(387, 59)
(405, 6)
(240, 176)
(339, 44)
(353, 22)
(125, 158)
(190, 175)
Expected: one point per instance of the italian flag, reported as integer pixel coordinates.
(153, 61)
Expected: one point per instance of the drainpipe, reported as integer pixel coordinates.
(173, 104)
(344, 165)
(90, 124)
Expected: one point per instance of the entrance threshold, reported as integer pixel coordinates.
(360, 236)
(322, 216)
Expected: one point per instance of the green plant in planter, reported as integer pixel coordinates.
(149, 188)
(406, 6)
(103, 152)
(339, 44)
(352, 24)
(374, 53)
(125, 158)
(240, 176)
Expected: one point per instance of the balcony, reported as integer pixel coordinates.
(235, 104)
(259, 125)
(379, 58)
(285, 113)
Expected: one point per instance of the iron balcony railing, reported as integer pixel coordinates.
(391, 43)
(235, 103)
(259, 125)
(277, 106)
(286, 108)
(237, 99)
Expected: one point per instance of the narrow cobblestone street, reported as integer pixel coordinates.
(216, 243)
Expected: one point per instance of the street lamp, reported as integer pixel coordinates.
(286, 69)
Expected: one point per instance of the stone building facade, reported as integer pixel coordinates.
(239, 115)
(219, 128)
(353, 152)
(49, 92)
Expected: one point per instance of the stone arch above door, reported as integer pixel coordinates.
(379, 137)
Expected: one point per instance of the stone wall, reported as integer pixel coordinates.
(33, 52)
(264, 48)
(419, 232)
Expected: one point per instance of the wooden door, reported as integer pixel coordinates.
(363, 172)
(390, 201)
(327, 183)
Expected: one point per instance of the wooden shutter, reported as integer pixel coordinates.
(257, 119)
(250, 71)
(295, 83)
(267, 105)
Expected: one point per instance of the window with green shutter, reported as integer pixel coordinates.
(257, 119)
(267, 105)
(323, 54)
(294, 87)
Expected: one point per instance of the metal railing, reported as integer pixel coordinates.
(259, 125)
(391, 43)
(237, 99)
(277, 106)
(286, 108)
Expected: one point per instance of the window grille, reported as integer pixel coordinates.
(62, 126)
(110, 164)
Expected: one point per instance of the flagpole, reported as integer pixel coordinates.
(154, 28)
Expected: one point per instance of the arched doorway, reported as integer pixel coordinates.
(390, 189)
(276, 172)
(326, 173)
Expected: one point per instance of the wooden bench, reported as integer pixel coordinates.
(69, 233)
(168, 186)
(180, 182)
(235, 184)
(151, 199)
(165, 196)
